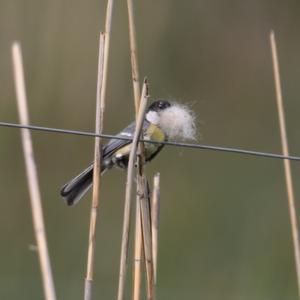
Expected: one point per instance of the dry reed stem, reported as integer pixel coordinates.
(143, 192)
(134, 56)
(104, 45)
(136, 90)
(100, 103)
(155, 204)
(287, 166)
(138, 253)
(32, 176)
(127, 207)
(137, 262)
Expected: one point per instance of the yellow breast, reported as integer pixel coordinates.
(154, 133)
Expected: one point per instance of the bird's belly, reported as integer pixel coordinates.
(154, 133)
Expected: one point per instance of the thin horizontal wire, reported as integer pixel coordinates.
(176, 144)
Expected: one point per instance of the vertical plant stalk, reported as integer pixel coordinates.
(155, 205)
(32, 176)
(134, 55)
(136, 90)
(286, 162)
(143, 204)
(104, 45)
(128, 193)
(143, 192)
(100, 104)
(137, 261)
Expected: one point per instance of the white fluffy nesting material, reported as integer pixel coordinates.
(178, 122)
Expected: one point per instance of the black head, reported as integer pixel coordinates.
(159, 105)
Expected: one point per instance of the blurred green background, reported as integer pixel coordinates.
(225, 231)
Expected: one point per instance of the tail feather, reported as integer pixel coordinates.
(73, 190)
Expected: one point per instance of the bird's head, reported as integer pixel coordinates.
(155, 109)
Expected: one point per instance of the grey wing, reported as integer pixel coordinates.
(114, 144)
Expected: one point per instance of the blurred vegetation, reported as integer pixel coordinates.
(225, 231)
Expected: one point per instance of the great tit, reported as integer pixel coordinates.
(116, 152)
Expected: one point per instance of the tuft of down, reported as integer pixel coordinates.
(179, 122)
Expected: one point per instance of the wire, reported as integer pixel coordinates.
(176, 144)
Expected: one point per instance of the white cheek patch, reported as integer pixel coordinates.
(178, 122)
(152, 117)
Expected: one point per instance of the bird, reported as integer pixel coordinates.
(116, 152)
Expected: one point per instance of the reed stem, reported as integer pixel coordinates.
(32, 175)
(128, 193)
(286, 162)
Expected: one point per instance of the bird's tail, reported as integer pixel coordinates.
(73, 190)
